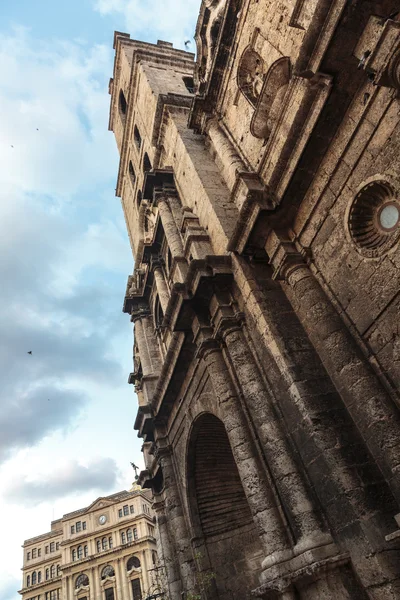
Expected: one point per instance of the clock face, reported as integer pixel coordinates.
(102, 519)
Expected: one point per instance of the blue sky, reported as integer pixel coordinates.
(66, 432)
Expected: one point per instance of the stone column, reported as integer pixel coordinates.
(306, 526)
(228, 159)
(365, 398)
(176, 519)
(126, 592)
(169, 558)
(171, 231)
(118, 580)
(260, 496)
(161, 285)
(141, 341)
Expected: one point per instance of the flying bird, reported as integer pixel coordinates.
(12, 146)
(30, 352)
(187, 43)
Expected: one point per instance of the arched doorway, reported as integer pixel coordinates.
(220, 512)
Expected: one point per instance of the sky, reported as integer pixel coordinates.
(67, 412)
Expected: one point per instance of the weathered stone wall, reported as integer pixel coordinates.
(265, 297)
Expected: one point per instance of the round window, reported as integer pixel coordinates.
(374, 220)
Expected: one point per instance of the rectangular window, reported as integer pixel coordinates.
(28, 556)
(34, 553)
(39, 552)
(84, 525)
(53, 595)
(120, 513)
(78, 526)
(109, 594)
(131, 509)
(57, 545)
(52, 546)
(136, 591)
(126, 509)
(46, 550)
(72, 528)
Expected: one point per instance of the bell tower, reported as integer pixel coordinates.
(148, 81)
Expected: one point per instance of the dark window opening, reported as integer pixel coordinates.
(146, 163)
(136, 589)
(137, 138)
(109, 594)
(189, 83)
(133, 562)
(122, 105)
(108, 571)
(132, 174)
(139, 198)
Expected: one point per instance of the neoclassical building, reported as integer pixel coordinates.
(106, 551)
(260, 184)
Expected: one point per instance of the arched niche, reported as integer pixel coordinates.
(250, 75)
(270, 101)
(219, 511)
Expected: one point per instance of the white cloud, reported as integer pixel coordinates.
(70, 478)
(171, 20)
(54, 107)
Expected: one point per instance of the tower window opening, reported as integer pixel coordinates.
(189, 83)
(123, 106)
(137, 138)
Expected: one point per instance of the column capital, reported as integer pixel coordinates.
(207, 347)
(284, 256)
(139, 313)
(162, 194)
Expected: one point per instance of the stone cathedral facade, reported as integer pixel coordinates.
(260, 184)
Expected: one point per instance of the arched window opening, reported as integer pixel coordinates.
(104, 543)
(73, 554)
(189, 83)
(80, 552)
(52, 571)
(39, 576)
(250, 75)
(28, 581)
(108, 571)
(219, 507)
(123, 538)
(58, 570)
(154, 557)
(123, 107)
(133, 563)
(129, 536)
(132, 174)
(137, 138)
(34, 578)
(271, 99)
(158, 313)
(85, 551)
(146, 163)
(98, 545)
(110, 543)
(81, 580)
(47, 574)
